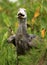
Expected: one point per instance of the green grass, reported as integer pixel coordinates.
(8, 55)
(8, 13)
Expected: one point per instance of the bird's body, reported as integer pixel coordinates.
(22, 40)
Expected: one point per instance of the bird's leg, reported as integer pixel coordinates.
(17, 55)
(17, 58)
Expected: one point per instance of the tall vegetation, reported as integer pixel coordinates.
(37, 19)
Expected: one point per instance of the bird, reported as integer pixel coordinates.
(22, 40)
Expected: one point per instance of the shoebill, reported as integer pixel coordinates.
(22, 39)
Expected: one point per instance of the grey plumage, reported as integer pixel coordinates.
(22, 39)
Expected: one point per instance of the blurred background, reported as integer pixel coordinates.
(36, 23)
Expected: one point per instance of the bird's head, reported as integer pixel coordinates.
(22, 14)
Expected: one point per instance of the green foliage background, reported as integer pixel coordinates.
(8, 17)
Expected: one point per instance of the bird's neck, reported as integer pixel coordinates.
(23, 23)
(23, 26)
